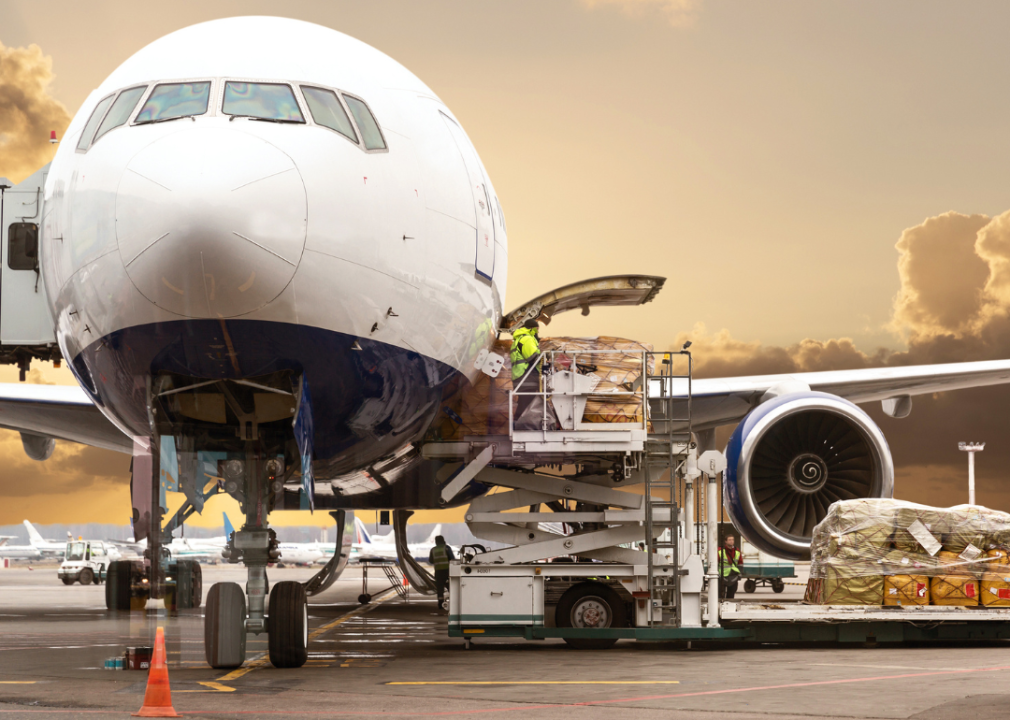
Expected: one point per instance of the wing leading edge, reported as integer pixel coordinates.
(721, 401)
(59, 411)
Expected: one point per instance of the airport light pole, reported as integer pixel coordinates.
(971, 449)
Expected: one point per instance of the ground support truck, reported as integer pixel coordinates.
(624, 493)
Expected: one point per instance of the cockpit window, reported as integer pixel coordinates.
(370, 132)
(121, 110)
(175, 100)
(96, 117)
(327, 111)
(262, 101)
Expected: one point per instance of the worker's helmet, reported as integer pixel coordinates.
(439, 540)
(531, 325)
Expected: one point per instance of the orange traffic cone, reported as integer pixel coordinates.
(158, 698)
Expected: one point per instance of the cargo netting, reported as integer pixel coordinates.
(892, 552)
(482, 408)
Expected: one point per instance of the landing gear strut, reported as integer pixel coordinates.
(286, 619)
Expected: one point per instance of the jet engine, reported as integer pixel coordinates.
(793, 456)
(38, 447)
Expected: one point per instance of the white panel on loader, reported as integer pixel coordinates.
(24, 313)
(490, 600)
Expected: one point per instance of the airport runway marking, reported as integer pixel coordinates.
(537, 682)
(18, 682)
(264, 659)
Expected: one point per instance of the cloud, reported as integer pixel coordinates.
(679, 13)
(27, 111)
(953, 306)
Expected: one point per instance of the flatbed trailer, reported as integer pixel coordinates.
(515, 601)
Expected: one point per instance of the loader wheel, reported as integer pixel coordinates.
(118, 579)
(590, 605)
(224, 626)
(750, 586)
(778, 585)
(288, 625)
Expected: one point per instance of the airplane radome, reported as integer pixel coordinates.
(266, 250)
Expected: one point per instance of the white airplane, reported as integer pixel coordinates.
(206, 550)
(274, 243)
(47, 548)
(383, 547)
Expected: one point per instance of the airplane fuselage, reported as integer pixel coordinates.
(368, 260)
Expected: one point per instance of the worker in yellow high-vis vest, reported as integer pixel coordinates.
(524, 356)
(730, 560)
(439, 556)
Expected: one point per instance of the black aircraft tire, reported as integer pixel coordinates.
(288, 625)
(364, 599)
(224, 626)
(118, 579)
(197, 596)
(187, 578)
(598, 595)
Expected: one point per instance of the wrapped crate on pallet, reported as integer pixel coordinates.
(953, 590)
(906, 590)
(899, 546)
(996, 588)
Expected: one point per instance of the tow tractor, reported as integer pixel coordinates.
(85, 561)
(626, 492)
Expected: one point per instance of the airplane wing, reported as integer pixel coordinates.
(60, 411)
(721, 401)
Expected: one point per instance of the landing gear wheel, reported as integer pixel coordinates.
(224, 626)
(67, 581)
(86, 576)
(590, 605)
(750, 586)
(118, 581)
(188, 584)
(288, 625)
(778, 585)
(364, 599)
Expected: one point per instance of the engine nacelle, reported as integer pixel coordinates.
(793, 456)
(38, 447)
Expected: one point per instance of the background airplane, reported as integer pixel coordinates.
(383, 547)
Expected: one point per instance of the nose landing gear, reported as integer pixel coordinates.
(230, 614)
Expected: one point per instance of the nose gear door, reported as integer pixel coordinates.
(484, 259)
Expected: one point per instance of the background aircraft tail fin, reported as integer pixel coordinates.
(228, 529)
(435, 532)
(361, 536)
(33, 535)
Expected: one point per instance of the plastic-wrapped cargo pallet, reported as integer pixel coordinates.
(892, 552)
(482, 408)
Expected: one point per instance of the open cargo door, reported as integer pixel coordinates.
(611, 290)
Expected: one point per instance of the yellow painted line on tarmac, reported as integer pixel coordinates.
(18, 682)
(538, 682)
(264, 659)
(213, 686)
(353, 613)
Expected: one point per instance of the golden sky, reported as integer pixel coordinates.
(822, 183)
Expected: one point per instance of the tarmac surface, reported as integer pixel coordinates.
(393, 659)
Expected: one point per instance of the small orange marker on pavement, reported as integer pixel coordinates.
(158, 698)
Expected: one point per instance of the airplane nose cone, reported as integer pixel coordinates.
(211, 222)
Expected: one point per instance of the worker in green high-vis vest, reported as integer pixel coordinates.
(730, 560)
(524, 356)
(439, 556)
